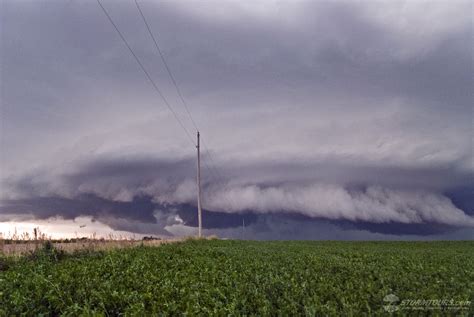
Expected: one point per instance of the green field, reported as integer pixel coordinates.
(241, 278)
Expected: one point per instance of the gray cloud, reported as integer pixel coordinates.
(276, 227)
(374, 204)
(151, 192)
(356, 111)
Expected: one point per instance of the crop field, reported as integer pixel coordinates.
(220, 278)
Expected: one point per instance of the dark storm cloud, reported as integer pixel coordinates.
(137, 216)
(135, 194)
(149, 193)
(140, 215)
(348, 111)
(278, 227)
(463, 197)
(140, 208)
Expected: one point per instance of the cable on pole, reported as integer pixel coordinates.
(178, 91)
(146, 73)
(166, 65)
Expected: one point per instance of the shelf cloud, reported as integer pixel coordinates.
(146, 195)
(313, 115)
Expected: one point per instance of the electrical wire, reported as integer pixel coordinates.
(166, 65)
(178, 91)
(146, 73)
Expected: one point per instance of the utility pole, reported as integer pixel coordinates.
(199, 186)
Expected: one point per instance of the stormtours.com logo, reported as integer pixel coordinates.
(392, 304)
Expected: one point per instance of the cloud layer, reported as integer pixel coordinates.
(147, 195)
(347, 111)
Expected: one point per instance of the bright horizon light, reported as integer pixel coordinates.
(64, 229)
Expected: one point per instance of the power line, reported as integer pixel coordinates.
(159, 91)
(231, 201)
(216, 171)
(178, 91)
(146, 73)
(166, 65)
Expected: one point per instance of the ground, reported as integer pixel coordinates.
(244, 278)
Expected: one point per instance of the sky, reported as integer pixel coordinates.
(340, 120)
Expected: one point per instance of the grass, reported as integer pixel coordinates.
(23, 244)
(217, 277)
(28, 247)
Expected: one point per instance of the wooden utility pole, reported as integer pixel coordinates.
(199, 186)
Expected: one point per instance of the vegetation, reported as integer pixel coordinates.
(20, 244)
(215, 277)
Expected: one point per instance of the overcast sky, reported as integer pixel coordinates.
(321, 119)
